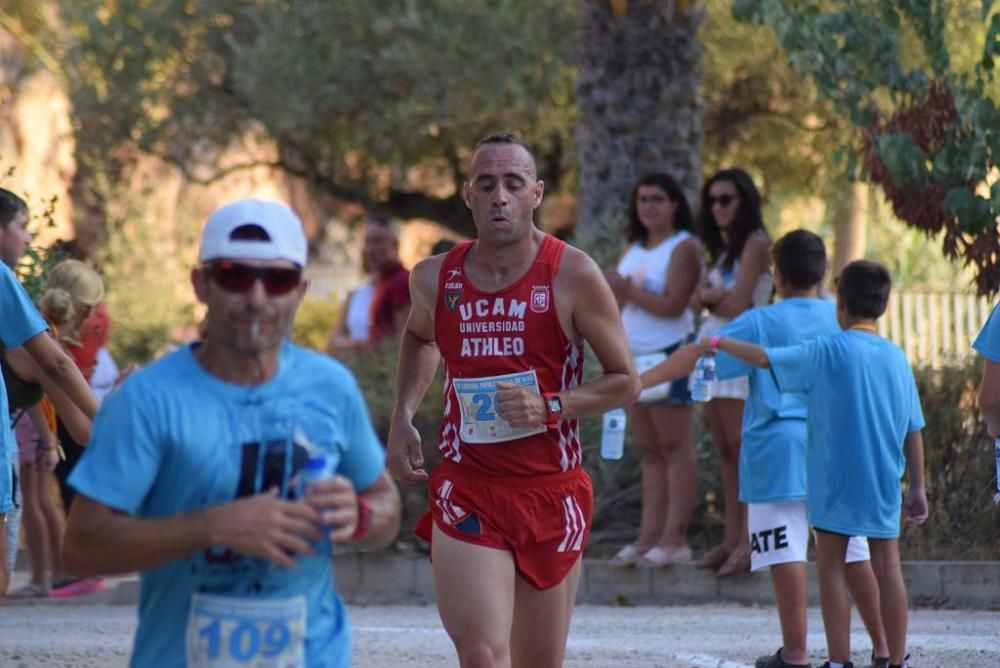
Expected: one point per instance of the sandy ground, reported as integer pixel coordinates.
(78, 635)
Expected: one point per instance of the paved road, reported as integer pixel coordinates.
(92, 635)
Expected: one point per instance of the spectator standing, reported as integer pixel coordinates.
(653, 283)
(731, 228)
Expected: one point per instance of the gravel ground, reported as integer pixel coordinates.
(78, 635)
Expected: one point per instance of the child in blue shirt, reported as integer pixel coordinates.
(772, 473)
(864, 421)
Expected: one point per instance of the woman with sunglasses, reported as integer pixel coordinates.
(654, 282)
(731, 228)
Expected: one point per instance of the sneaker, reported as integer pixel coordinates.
(880, 661)
(846, 665)
(777, 661)
(905, 663)
(75, 588)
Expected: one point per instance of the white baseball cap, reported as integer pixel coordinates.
(284, 240)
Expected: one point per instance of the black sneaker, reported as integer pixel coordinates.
(846, 665)
(903, 665)
(776, 661)
(880, 661)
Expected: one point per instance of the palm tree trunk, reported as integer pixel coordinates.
(637, 92)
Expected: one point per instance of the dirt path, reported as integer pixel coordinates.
(54, 635)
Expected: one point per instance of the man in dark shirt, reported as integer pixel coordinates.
(391, 302)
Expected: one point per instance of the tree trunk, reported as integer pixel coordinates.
(850, 201)
(637, 92)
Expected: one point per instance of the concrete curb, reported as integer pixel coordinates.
(383, 578)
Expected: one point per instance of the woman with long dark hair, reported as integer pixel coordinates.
(732, 231)
(654, 282)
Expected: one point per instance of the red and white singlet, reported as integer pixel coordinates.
(513, 334)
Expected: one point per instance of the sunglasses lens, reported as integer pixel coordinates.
(280, 281)
(239, 278)
(233, 277)
(723, 200)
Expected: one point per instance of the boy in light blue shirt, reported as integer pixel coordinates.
(864, 421)
(772, 471)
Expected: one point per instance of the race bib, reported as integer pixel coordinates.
(232, 632)
(480, 421)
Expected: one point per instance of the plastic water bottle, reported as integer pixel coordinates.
(317, 468)
(613, 434)
(703, 378)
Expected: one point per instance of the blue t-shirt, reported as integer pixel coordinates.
(773, 449)
(862, 403)
(20, 321)
(175, 438)
(988, 341)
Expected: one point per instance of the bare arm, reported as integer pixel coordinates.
(76, 421)
(989, 397)
(100, 540)
(678, 365)
(754, 261)
(60, 368)
(915, 503)
(745, 352)
(418, 362)
(595, 318)
(682, 279)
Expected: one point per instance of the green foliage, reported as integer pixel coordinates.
(928, 120)
(314, 322)
(355, 95)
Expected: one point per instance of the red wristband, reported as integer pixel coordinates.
(365, 511)
(713, 343)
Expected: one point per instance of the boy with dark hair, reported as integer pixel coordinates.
(864, 421)
(772, 470)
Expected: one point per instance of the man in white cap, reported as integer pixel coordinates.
(224, 470)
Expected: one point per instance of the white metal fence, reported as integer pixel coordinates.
(934, 328)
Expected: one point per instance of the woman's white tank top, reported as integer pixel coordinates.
(647, 268)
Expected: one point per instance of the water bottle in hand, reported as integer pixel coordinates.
(613, 434)
(703, 379)
(317, 468)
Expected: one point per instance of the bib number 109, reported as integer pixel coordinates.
(226, 632)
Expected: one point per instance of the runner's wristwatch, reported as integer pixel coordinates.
(554, 407)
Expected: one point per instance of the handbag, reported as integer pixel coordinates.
(644, 363)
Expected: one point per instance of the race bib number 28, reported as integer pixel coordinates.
(231, 632)
(480, 421)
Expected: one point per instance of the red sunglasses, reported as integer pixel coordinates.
(239, 278)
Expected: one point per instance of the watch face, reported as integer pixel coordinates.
(555, 405)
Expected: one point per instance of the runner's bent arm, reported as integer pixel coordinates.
(337, 503)
(418, 362)
(101, 540)
(593, 315)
